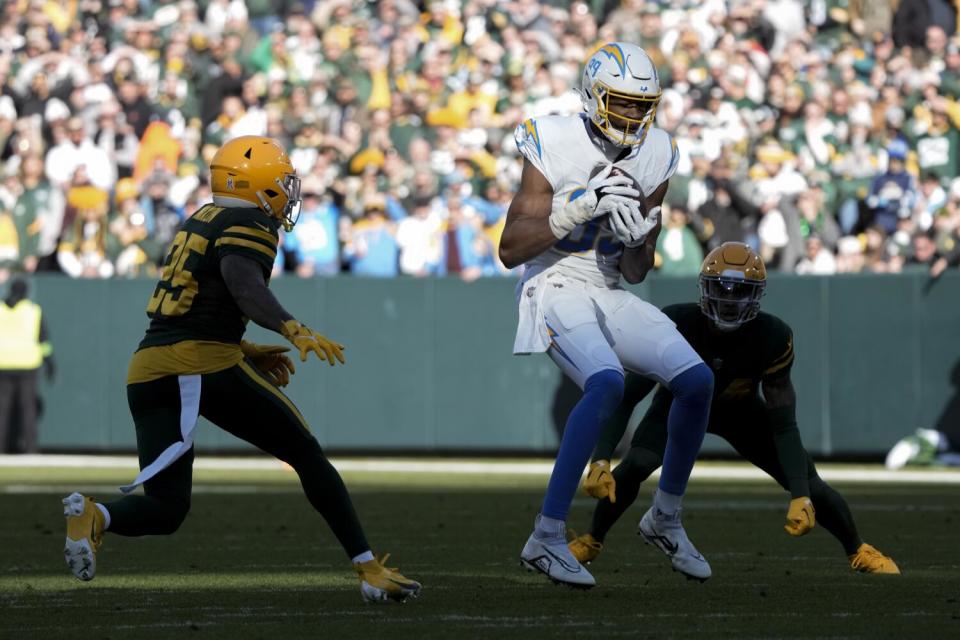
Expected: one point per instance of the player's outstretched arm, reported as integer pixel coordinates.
(636, 263)
(248, 286)
(781, 405)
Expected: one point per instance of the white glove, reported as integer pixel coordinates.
(562, 221)
(628, 223)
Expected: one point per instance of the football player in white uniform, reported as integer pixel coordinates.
(587, 212)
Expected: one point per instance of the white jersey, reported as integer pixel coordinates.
(561, 148)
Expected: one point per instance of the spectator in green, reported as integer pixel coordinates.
(678, 250)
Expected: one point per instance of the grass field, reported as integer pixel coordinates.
(254, 561)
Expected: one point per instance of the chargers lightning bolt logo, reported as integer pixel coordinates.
(530, 129)
(614, 52)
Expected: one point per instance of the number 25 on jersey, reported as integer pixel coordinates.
(177, 287)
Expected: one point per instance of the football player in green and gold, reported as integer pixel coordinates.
(750, 352)
(193, 361)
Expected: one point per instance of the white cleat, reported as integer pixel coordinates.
(85, 526)
(552, 558)
(666, 533)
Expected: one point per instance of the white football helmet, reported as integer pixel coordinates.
(622, 71)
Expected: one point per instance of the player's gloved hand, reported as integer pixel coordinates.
(563, 220)
(599, 482)
(800, 517)
(270, 361)
(629, 224)
(306, 340)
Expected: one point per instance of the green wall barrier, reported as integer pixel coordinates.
(430, 365)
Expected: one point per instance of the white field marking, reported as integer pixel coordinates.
(215, 489)
(709, 471)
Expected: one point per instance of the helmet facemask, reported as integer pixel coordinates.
(621, 129)
(730, 301)
(290, 212)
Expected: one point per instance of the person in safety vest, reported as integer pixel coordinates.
(24, 348)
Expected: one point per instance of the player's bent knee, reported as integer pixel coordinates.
(694, 386)
(176, 514)
(607, 385)
(305, 454)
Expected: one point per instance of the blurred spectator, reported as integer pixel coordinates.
(24, 348)
(817, 260)
(419, 240)
(678, 251)
(135, 253)
(371, 249)
(465, 250)
(37, 213)
(923, 254)
(75, 151)
(314, 238)
(87, 244)
(892, 192)
(914, 17)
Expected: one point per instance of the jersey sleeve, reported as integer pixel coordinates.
(668, 158)
(779, 349)
(251, 235)
(530, 144)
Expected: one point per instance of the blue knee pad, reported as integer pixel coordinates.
(605, 389)
(694, 386)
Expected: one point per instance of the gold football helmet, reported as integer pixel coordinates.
(732, 280)
(256, 170)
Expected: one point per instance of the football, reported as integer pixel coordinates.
(621, 172)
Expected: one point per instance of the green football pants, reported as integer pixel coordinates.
(241, 401)
(744, 425)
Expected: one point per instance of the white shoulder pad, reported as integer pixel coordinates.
(664, 155)
(548, 142)
(530, 143)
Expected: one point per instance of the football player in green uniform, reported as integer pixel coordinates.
(193, 361)
(749, 351)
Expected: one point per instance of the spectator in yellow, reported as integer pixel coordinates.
(24, 348)
(84, 250)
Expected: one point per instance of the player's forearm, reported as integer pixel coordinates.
(793, 460)
(260, 305)
(525, 239)
(636, 263)
(781, 409)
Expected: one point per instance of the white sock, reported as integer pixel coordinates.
(666, 502)
(548, 527)
(106, 516)
(366, 556)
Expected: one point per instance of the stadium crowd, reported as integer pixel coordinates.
(823, 133)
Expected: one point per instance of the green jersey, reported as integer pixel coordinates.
(740, 359)
(191, 301)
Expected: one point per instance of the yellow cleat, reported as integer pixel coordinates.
(85, 524)
(585, 548)
(379, 583)
(869, 560)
